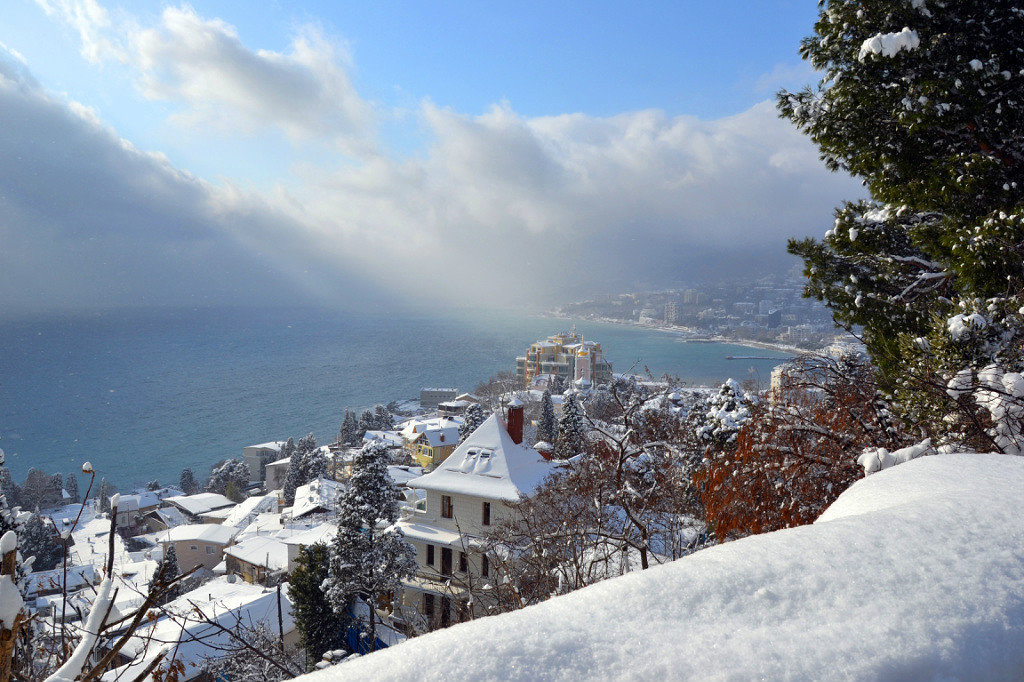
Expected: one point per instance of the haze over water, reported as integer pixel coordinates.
(144, 394)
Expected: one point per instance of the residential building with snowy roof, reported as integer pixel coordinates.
(466, 495)
(430, 441)
(197, 544)
(255, 455)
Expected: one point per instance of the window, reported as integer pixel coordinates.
(428, 606)
(209, 550)
(446, 506)
(485, 566)
(463, 562)
(430, 555)
(487, 514)
(194, 548)
(446, 561)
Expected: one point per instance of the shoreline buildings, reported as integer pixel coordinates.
(566, 356)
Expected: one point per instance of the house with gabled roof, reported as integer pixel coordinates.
(466, 495)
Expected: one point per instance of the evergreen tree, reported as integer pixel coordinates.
(349, 434)
(932, 268)
(38, 540)
(304, 464)
(471, 421)
(187, 482)
(317, 465)
(231, 473)
(366, 423)
(369, 556)
(572, 429)
(104, 493)
(71, 485)
(166, 571)
(546, 423)
(8, 488)
(383, 419)
(153, 485)
(321, 628)
(54, 491)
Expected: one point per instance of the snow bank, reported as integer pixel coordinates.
(916, 572)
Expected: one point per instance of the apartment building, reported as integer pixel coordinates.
(566, 355)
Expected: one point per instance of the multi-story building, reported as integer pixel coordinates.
(465, 496)
(567, 356)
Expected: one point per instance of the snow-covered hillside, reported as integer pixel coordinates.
(916, 572)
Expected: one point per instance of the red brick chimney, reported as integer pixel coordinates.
(515, 420)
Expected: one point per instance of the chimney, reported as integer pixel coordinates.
(515, 420)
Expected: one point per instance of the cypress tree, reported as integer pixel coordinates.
(546, 423)
(369, 556)
(321, 628)
(572, 429)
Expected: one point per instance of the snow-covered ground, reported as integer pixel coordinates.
(916, 572)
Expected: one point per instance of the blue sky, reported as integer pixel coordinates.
(438, 132)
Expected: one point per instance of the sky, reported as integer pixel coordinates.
(379, 154)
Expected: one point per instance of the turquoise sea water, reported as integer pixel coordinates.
(143, 395)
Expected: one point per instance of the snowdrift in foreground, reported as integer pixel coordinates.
(916, 572)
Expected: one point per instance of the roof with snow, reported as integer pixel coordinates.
(198, 532)
(246, 511)
(200, 503)
(324, 533)
(488, 464)
(274, 445)
(191, 641)
(915, 572)
(261, 550)
(318, 495)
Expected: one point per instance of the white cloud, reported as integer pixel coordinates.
(92, 23)
(499, 207)
(204, 65)
(86, 220)
(560, 205)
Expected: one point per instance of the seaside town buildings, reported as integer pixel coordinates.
(566, 356)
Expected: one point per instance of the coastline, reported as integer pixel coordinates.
(690, 334)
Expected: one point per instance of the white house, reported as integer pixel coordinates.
(466, 495)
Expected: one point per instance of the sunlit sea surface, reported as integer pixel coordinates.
(144, 394)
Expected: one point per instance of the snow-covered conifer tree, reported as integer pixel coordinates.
(369, 556)
(547, 424)
(571, 439)
(472, 420)
(231, 475)
(383, 419)
(38, 540)
(187, 482)
(349, 434)
(921, 100)
(366, 423)
(71, 485)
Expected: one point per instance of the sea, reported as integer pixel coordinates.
(143, 394)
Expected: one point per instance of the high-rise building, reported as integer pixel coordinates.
(567, 356)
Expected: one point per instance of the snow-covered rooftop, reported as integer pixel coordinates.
(488, 464)
(430, 534)
(200, 503)
(321, 493)
(261, 550)
(246, 511)
(916, 572)
(274, 445)
(192, 641)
